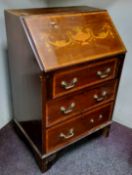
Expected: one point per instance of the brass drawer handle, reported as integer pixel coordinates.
(100, 116)
(69, 109)
(100, 98)
(69, 85)
(69, 135)
(104, 74)
(91, 120)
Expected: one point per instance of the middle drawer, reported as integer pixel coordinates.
(63, 108)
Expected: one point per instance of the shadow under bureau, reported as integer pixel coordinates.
(65, 65)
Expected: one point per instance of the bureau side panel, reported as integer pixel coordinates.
(25, 81)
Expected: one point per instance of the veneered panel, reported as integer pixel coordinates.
(67, 39)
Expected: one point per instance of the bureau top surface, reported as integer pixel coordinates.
(62, 38)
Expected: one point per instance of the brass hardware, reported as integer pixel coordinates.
(100, 98)
(100, 116)
(69, 135)
(92, 120)
(69, 109)
(53, 23)
(105, 73)
(69, 85)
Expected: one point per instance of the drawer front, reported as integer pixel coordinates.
(77, 78)
(66, 107)
(69, 131)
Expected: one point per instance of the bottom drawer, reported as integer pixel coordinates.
(62, 134)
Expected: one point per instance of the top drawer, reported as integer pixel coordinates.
(76, 78)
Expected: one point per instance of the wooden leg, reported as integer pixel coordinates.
(106, 131)
(46, 163)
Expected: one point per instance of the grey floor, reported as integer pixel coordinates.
(92, 156)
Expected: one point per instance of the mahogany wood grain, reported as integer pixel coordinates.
(62, 58)
(85, 75)
(76, 127)
(70, 39)
(37, 11)
(82, 100)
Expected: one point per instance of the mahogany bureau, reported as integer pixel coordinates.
(65, 66)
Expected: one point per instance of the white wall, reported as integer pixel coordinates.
(121, 12)
(5, 102)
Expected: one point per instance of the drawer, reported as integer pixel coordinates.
(80, 77)
(63, 108)
(72, 130)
